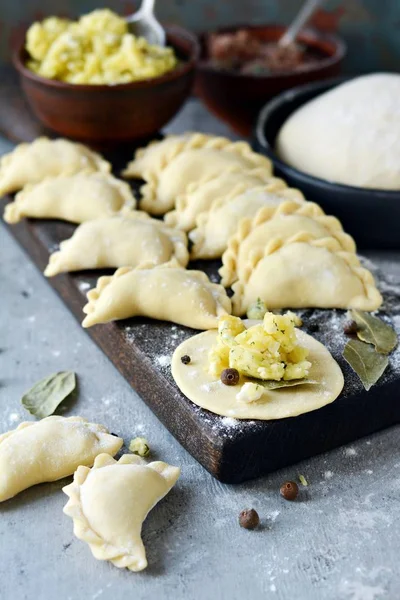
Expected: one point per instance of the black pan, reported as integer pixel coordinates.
(371, 216)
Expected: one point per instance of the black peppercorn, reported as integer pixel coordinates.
(230, 376)
(289, 490)
(185, 359)
(350, 328)
(249, 518)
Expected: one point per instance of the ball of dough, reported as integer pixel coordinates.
(349, 135)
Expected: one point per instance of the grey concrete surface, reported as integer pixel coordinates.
(339, 542)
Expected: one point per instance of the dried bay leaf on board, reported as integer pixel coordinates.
(374, 331)
(365, 361)
(44, 397)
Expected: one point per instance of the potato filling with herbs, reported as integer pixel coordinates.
(96, 49)
(267, 351)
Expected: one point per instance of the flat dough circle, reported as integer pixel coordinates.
(201, 388)
(349, 135)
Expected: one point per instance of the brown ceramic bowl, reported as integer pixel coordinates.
(104, 114)
(237, 98)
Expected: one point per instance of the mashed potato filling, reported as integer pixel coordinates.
(96, 49)
(266, 351)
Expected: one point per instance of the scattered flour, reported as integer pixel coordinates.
(328, 474)
(163, 361)
(350, 452)
(273, 515)
(84, 286)
(14, 417)
(230, 422)
(56, 353)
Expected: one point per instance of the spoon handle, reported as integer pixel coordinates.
(303, 16)
(147, 7)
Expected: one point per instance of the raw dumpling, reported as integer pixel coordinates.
(30, 163)
(199, 197)
(75, 198)
(215, 227)
(349, 135)
(288, 220)
(151, 160)
(132, 240)
(49, 450)
(205, 390)
(165, 293)
(200, 159)
(306, 273)
(109, 503)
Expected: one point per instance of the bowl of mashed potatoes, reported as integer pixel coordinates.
(92, 80)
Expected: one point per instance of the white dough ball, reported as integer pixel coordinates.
(349, 135)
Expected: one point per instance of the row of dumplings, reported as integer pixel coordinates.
(274, 245)
(108, 502)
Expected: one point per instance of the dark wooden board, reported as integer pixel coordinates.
(232, 451)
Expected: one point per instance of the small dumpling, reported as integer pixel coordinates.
(109, 503)
(216, 226)
(306, 273)
(151, 160)
(75, 198)
(48, 450)
(288, 220)
(199, 197)
(134, 240)
(31, 163)
(166, 293)
(200, 159)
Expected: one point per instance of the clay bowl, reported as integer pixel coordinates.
(237, 98)
(104, 114)
(371, 216)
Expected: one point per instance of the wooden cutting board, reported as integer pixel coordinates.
(231, 450)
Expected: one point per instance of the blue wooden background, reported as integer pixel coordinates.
(370, 27)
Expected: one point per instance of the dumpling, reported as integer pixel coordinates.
(151, 160)
(254, 236)
(165, 293)
(109, 503)
(30, 163)
(306, 273)
(48, 450)
(75, 198)
(199, 197)
(132, 240)
(216, 226)
(194, 163)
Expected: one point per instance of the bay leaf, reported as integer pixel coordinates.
(276, 385)
(44, 397)
(374, 331)
(365, 361)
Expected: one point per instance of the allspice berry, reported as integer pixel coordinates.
(249, 518)
(350, 328)
(289, 490)
(230, 376)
